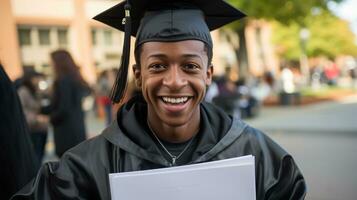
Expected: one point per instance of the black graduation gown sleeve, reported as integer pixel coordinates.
(18, 162)
(57, 180)
(82, 173)
(277, 175)
(289, 182)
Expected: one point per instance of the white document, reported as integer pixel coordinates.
(230, 179)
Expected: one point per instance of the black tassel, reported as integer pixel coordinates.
(118, 91)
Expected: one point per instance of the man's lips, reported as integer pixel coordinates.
(175, 104)
(175, 100)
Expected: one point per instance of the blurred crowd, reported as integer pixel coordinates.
(36, 102)
(61, 100)
(244, 97)
(56, 101)
(241, 98)
(332, 74)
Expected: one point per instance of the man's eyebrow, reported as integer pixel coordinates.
(158, 55)
(162, 55)
(191, 56)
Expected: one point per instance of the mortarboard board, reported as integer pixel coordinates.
(165, 21)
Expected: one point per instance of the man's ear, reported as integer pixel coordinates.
(137, 75)
(209, 75)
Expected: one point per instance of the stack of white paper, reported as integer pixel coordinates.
(230, 179)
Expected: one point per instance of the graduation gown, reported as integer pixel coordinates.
(18, 161)
(82, 172)
(66, 114)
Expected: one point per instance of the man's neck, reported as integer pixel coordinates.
(175, 134)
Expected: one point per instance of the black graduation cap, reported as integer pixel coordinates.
(164, 20)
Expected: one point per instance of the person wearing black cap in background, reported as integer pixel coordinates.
(169, 124)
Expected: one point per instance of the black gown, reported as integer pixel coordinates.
(66, 114)
(127, 145)
(18, 161)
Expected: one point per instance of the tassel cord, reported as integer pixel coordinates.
(120, 85)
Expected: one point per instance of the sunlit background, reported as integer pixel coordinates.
(305, 50)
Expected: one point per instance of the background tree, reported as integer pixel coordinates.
(285, 12)
(329, 36)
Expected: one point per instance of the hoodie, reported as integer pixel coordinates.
(128, 145)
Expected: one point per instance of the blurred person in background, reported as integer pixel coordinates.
(212, 90)
(228, 97)
(288, 89)
(30, 101)
(248, 104)
(17, 157)
(261, 90)
(105, 82)
(287, 81)
(269, 78)
(353, 75)
(65, 110)
(352, 72)
(317, 77)
(332, 73)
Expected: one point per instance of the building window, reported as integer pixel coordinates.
(45, 65)
(108, 39)
(112, 56)
(94, 37)
(44, 36)
(28, 68)
(62, 37)
(24, 36)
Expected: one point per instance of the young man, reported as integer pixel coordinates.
(169, 124)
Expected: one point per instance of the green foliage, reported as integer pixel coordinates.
(324, 91)
(286, 40)
(284, 11)
(329, 36)
(292, 15)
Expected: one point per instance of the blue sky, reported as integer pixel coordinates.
(347, 10)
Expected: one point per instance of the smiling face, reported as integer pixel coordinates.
(173, 77)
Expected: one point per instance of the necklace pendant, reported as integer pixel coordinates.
(173, 160)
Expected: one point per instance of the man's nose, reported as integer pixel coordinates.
(175, 78)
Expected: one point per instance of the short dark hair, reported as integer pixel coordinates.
(207, 48)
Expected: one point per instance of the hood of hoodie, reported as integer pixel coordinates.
(130, 132)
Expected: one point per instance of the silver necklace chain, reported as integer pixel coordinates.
(173, 157)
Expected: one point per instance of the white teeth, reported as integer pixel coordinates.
(175, 100)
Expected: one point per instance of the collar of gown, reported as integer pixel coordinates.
(130, 132)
